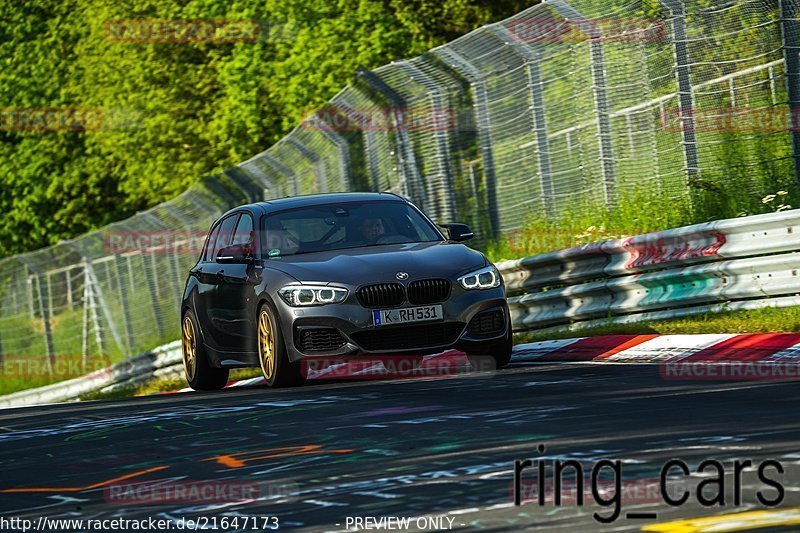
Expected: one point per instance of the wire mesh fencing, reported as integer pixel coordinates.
(566, 109)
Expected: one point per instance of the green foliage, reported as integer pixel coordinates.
(175, 111)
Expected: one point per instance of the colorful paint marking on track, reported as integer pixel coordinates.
(747, 521)
(761, 348)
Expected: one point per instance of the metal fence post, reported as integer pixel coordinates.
(406, 156)
(790, 45)
(685, 93)
(344, 152)
(601, 105)
(285, 171)
(98, 300)
(483, 123)
(372, 164)
(532, 57)
(130, 271)
(49, 295)
(68, 278)
(251, 167)
(29, 291)
(152, 288)
(447, 210)
(168, 256)
(316, 162)
(2, 356)
(44, 313)
(90, 305)
(126, 310)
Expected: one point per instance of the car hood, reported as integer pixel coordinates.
(378, 264)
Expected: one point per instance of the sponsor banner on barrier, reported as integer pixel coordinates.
(655, 249)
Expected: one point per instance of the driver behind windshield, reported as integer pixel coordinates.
(344, 225)
(372, 229)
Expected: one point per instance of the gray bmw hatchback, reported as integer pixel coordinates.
(332, 277)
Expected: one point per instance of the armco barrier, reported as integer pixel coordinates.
(675, 273)
(160, 362)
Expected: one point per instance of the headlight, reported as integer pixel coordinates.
(485, 278)
(306, 295)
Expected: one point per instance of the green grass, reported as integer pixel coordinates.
(767, 320)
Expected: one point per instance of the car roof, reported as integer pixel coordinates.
(307, 200)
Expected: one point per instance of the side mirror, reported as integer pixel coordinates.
(234, 254)
(458, 232)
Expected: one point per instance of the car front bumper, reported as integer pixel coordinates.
(361, 337)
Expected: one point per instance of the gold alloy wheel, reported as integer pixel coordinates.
(266, 344)
(189, 348)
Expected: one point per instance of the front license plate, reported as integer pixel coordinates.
(387, 317)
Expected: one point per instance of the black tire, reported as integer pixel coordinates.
(492, 355)
(198, 371)
(283, 372)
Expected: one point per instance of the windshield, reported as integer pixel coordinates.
(339, 226)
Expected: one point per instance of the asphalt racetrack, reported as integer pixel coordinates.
(439, 447)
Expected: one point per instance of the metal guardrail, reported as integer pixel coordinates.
(694, 269)
(164, 361)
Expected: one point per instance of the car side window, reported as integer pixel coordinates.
(208, 247)
(244, 235)
(225, 234)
